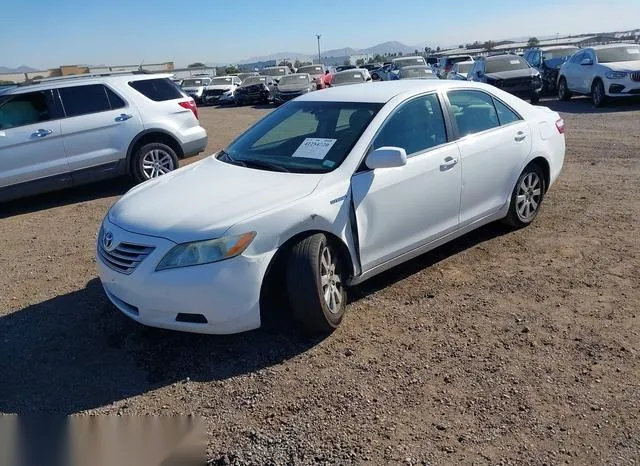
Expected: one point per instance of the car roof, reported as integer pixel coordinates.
(611, 46)
(78, 80)
(383, 92)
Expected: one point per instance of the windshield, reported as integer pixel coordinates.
(311, 69)
(221, 81)
(508, 63)
(254, 80)
(303, 137)
(558, 53)
(274, 71)
(409, 61)
(294, 79)
(417, 72)
(348, 77)
(464, 67)
(616, 54)
(195, 82)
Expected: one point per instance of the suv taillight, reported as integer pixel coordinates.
(560, 126)
(190, 105)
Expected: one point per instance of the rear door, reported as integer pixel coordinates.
(494, 143)
(572, 72)
(32, 156)
(98, 128)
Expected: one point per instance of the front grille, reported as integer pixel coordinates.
(215, 92)
(635, 76)
(125, 257)
(517, 82)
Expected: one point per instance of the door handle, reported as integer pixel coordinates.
(41, 133)
(448, 163)
(520, 136)
(123, 117)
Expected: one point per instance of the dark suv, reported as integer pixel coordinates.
(547, 60)
(511, 73)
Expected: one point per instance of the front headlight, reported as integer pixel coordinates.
(206, 252)
(616, 75)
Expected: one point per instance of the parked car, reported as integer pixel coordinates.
(354, 76)
(276, 72)
(194, 87)
(317, 72)
(254, 89)
(292, 86)
(603, 72)
(382, 73)
(321, 194)
(246, 75)
(345, 68)
(221, 90)
(510, 73)
(61, 132)
(547, 60)
(371, 66)
(416, 72)
(398, 63)
(460, 70)
(445, 63)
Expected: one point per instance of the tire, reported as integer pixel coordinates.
(535, 99)
(526, 197)
(153, 160)
(563, 90)
(311, 261)
(598, 96)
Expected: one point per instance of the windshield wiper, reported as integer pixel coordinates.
(263, 164)
(227, 158)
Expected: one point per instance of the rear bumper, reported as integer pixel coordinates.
(196, 143)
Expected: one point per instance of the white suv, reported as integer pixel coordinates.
(61, 132)
(602, 71)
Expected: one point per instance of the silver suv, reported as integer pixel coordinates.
(61, 132)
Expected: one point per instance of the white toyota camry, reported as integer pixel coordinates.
(328, 190)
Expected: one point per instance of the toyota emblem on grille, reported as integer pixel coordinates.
(107, 241)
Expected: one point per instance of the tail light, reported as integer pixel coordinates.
(190, 105)
(560, 126)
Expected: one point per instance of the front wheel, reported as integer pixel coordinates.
(316, 284)
(153, 160)
(563, 90)
(598, 96)
(526, 197)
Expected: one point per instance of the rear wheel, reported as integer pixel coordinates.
(563, 90)
(153, 160)
(598, 97)
(316, 284)
(526, 197)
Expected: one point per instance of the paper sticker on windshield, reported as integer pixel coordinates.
(514, 62)
(633, 51)
(314, 148)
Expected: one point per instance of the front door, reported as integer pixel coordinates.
(32, 156)
(400, 209)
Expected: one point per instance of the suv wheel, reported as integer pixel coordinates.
(153, 160)
(563, 90)
(597, 93)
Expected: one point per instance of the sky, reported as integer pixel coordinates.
(50, 33)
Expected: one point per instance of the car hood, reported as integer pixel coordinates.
(220, 87)
(293, 87)
(623, 65)
(510, 74)
(204, 199)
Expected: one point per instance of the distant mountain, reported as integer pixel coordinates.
(277, 56)
(20, 69)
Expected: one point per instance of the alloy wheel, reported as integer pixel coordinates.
(330, 281)
(156, 162)
(528, 197)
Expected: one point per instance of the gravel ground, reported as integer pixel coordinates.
(502, 347)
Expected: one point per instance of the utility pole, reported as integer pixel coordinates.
(318, 36)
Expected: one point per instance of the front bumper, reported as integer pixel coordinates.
(226, 293)
(626, 87)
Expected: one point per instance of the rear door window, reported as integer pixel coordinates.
(473, 111)
(82, 100)
(158, 89)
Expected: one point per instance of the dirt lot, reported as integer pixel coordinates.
(503, 347)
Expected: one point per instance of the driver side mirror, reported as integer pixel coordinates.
(386, 157)
(586, 62)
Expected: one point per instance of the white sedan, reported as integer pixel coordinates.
(327, 191)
